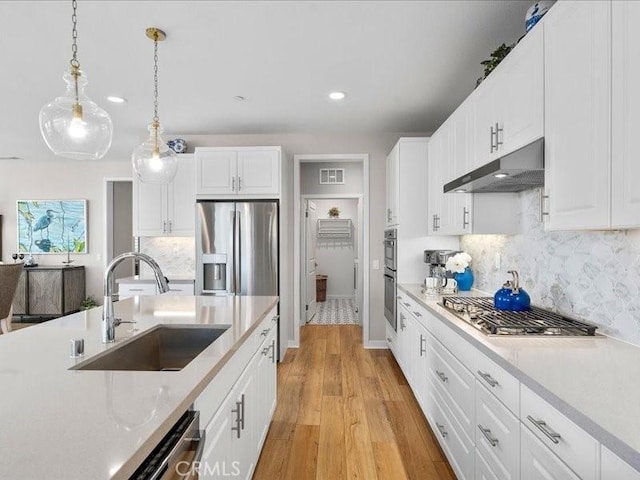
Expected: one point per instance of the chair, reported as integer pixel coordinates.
(9, 277)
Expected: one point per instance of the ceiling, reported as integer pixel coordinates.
(404, 65)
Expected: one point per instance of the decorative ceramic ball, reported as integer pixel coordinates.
(536, 12)
(178, 145)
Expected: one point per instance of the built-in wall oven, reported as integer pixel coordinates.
(390, 277)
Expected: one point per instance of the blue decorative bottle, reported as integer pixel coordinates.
(464, 279)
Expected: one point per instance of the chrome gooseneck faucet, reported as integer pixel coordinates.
(109, 322)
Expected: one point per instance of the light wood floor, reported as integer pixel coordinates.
(346, 412)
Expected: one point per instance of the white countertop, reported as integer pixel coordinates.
(59, 423)
(594, 381)
(172, 279)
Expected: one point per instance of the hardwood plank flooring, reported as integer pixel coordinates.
(346, 413)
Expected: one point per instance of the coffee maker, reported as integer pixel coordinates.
(437, 277)
(437, 259)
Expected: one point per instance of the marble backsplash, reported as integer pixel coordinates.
(590, 275)
(175, 255)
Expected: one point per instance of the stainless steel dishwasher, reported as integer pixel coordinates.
(179, 453)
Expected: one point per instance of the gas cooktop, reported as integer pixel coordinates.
(480, 312)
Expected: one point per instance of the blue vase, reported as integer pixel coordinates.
(464, 279)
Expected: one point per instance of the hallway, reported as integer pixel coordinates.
(346, 412)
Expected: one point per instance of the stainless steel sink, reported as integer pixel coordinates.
(163, 348)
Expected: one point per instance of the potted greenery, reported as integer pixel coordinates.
(334, 212)
(88, 303)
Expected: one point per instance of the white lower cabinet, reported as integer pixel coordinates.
(483, 470)
(537, 462)
(459, 450)
(614, 468)
(236, 432)
(490, 426)
(563, 437)
(497, 435)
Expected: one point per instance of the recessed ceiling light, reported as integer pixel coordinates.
(460, 190)
(337, 95)
(116, 99)
(239, 98)
(501, 175)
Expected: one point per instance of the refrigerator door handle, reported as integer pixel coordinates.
(237, 261)
(232, 290)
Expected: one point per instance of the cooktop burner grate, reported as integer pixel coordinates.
(480, 312)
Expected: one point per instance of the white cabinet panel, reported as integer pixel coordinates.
(216, 172)
(625, 208)
(537, 462)
(393, 188)
(614, 468)
(578, 114)
(499, 382)
(258, 172)
(160, 210)
(483, 470)
(184, 289)
(497, 435)
(181, 201)
(563, 437)
(126, 290)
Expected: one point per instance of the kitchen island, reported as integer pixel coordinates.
(82, 424)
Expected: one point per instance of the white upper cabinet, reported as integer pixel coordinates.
(160, 210)
(578, 115)
(237, 171)
(508, 110)
(258, 172)
(625, 211)
(393, 187)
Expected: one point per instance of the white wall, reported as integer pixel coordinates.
(55, 178)
(310, 184)
(336, 258)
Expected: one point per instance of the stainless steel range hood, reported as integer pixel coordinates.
(518, 171)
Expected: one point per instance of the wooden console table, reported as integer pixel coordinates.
(50, 291)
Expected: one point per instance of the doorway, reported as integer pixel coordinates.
(333, 285)
(118, 224)
(337, 247)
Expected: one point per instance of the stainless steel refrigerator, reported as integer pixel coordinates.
(236, 247)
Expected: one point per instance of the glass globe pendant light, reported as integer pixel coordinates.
(153, 161)
(72, 125)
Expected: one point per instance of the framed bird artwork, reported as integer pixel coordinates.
(52, 226)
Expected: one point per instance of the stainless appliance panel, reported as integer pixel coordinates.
(390, 295)
(214, 247)
(390, 248)
(257, 248)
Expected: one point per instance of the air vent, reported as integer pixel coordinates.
(332, 176)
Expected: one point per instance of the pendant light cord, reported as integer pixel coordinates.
(74, 36)
(156, 119)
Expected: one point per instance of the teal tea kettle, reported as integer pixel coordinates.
(511, 297)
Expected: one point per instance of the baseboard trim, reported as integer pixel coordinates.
(376, 344)
(293, 344)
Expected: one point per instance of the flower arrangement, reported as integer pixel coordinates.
(334, 212)
(458, 263)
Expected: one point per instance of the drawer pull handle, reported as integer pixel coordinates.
(542, 426)
(489, 379)
(423, 341)
(136, 289)
(407, 304)
(265, 332)
(417, 314)
(399, 297)
(487, 434)
(265, 350)
(442, 431)
(442, 376)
